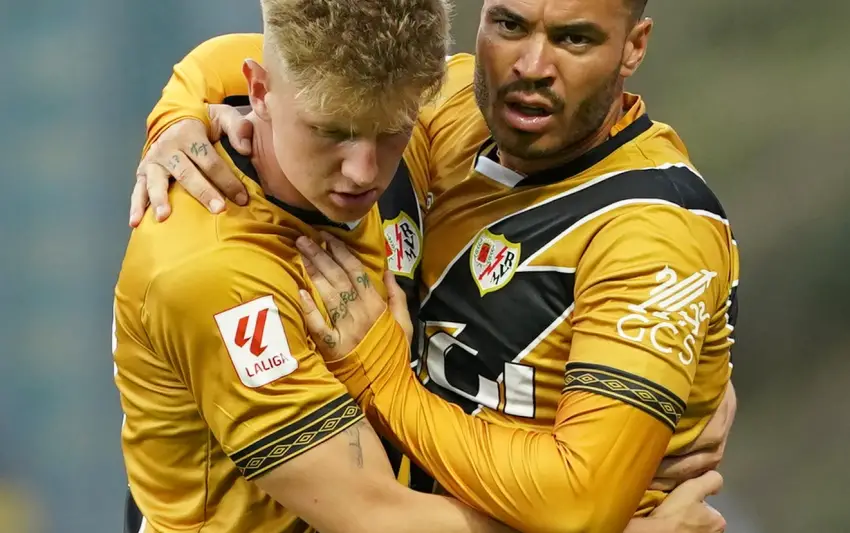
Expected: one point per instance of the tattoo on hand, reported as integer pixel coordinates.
(348, 296)
(338, 313)
(363, 279)
(354, 444)
(329, 341)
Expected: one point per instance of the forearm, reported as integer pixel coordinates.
(208, 74)
(564, 480)
(408, 511)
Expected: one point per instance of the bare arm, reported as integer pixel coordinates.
(346, 485)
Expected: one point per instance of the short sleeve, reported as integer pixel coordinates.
(646, 289)
(231, 328)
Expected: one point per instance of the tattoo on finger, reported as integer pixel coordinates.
(329, 340)
(363, 279)
(348, 296)
(338, 313)
(173, 162)
(199, 148)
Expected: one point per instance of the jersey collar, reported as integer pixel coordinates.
(311, 217)
(632, 125)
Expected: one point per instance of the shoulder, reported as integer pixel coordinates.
(245, 44)
(220, 278)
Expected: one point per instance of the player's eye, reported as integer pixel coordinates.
(572, 39)
(509, 27)
(337, 135)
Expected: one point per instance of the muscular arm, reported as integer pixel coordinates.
(273, 407)
(346, 485)
(622, 397)
(586, 475)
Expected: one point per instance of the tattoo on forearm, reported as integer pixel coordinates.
(354, 444)
(363, 279)
(348, 296)
(199, 148)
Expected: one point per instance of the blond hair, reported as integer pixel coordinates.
(352, 59)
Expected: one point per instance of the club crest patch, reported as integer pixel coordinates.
(493, 261)
(403, 245)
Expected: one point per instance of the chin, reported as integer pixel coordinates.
(344, 216)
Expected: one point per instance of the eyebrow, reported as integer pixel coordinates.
(582, 27)
(503, 12)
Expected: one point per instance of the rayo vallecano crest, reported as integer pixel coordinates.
(403, 245)
(493, 260)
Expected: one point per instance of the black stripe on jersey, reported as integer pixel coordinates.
(243, 163)
(493, 325)
(400, 197)
(626, 387)
(298, 437)
(132, 515)
(584, 161)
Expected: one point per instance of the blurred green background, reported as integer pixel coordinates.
(757, 89)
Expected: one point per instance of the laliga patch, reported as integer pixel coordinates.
(403, 245)
(256, 342)
(493, 260)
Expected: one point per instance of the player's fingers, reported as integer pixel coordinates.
(663, 484)
(329, 294)
(157, 188)
(213, 167)
(324, 263)
(701, 487)
(397, 302)
(187, 175)
(315, 322)
(138, 199)
(229, 121)
(716, 522)
(352, 267)
(688, 466)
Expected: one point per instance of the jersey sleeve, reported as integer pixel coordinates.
(209, 74)
(432, 133)
(236, 339)
(621, 397)
(587, 474)
(646, 291)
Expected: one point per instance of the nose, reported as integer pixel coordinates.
(360, 164)
(535, 63)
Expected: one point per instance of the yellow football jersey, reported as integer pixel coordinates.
(598, 295)
(219, 381)
(550, 299)
(212, 73)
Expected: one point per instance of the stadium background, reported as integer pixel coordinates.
(756, 88)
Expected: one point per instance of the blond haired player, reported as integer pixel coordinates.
(233, 423)
(527, 132)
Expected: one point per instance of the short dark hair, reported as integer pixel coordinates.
(637, 8)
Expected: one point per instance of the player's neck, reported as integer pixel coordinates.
(272, 179)
(600, 135)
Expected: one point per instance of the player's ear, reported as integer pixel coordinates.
(636, 45)
(258, 87)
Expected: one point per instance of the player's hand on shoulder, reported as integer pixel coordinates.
(184, 152)
(685, 510)
(352, 302)
(705, 453)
